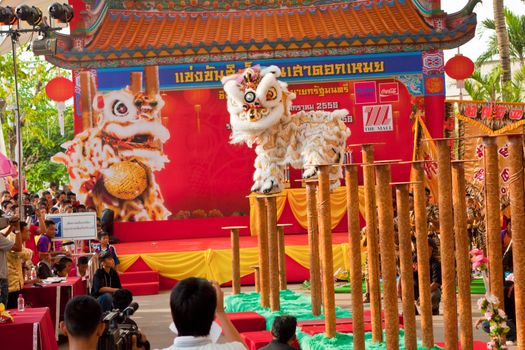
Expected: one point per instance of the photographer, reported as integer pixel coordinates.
(83, 324)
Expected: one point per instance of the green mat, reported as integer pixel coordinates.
(476, 287)
(343, 341)
(292, 303)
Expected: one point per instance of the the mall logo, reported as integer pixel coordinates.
(389, 92)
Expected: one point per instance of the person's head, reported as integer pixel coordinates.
(53, 186)
(193, 302)
(68, 209)
(53, 210)
(103, 237)
(509, 228)
(60, 196)
(6, 196)
(82, 321)
(43, 207)
(68, 262)
(82, 265)
(81, 208)
(428, 194)
(7, 206)
(122, 298)
(64, 203)
(106, 260)
(61, 269)
(91, 209)
(24, 229)
(50, 228)
(47, 196)
(72, 196)
(283, 329)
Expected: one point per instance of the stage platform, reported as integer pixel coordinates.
(211, 258)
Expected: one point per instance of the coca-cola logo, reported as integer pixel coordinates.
(388, 91)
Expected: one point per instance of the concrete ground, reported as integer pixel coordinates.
(153, 317)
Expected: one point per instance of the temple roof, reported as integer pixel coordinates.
(123, 36)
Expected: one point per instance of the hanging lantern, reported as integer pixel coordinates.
(60, 89)
(459, 67)
(197, 98)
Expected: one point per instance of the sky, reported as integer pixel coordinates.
(474, 47)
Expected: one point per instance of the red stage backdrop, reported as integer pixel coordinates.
(205, 173)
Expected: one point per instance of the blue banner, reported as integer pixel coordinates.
(300, 70)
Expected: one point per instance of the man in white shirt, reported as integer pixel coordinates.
(194, 303)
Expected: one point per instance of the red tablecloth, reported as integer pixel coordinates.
(247, 321)
(32, 329)
(54, 296)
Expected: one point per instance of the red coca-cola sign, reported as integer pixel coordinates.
(389, 92)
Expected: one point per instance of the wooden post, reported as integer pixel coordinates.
(492, 217)
(257, 278)
(405, 262)
(313, 243)
(325, 235)
(517, 210)
(282, 256)
(86, 100)
(271, 213)
(385, 215)
(262, 229)
(151, 79)
(354, 233)
(372, 246)
(236, 257)
(446, 233)
(136, 82)
(462, 255)
(423, 268)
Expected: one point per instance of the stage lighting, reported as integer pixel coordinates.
(44, 47)
(61, 12)
(30, 14)
(7, 16)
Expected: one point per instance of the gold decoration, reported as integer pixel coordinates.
(126, 180)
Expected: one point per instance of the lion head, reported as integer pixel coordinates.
(131, 124)
(256, 101)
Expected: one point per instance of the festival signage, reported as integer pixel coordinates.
(378, 118)
(365, 92)
(74, 226)
(389, 92)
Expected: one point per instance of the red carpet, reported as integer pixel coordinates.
(187, 245)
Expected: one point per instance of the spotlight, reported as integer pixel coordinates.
(7, 16)
(31, 15)
(61, 12)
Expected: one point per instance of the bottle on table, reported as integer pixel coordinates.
(21, 303)
(33, 273)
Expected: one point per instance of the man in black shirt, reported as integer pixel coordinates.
(283, 332)
(105, 282)
(435, 277)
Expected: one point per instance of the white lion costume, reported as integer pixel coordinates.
(259, 107)
(111, 165)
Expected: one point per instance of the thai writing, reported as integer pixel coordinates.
(332, 69)
(308, 107)
(209, 74)
(321, 91)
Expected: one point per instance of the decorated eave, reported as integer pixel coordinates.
(133, 33)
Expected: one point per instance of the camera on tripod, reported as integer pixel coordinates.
(120, 330)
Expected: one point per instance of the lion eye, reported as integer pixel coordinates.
(271, 94)
(120, 109)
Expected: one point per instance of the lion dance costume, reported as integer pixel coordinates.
(112, 164)
(259, 107)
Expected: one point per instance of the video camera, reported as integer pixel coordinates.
(120, 329)
(6, 220)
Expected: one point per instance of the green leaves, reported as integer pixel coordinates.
(41, 137)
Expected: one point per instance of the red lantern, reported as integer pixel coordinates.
(60, 89)
(459, 67)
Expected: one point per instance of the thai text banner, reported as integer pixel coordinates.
(208, 75)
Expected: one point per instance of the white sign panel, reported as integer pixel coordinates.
(378, 118)
(75, 226)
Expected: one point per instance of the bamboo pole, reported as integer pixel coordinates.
(327, 261)
(257, 278)
(282, 256)
(517, 210)
(236, 257)
(462, 255)
(446, 233)
(388, 257)
(262, 241)
(271, 213)
(492, 217)
(405, 262)
(313, 242)
(423, 269)
(372, 246)
(356, 277)
(151, 79)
